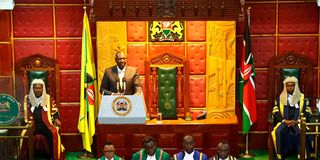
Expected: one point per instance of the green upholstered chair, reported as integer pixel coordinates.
(280, 67)
(167, 79)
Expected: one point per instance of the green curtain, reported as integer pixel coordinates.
(167, 92)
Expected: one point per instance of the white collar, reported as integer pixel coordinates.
(153, 157)
(119, 70)
(107, 158)
(187, 154)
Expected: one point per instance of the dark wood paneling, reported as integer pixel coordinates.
(148, 9)
(169, 137)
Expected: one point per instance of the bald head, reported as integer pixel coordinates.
(121, 60)
(188, 143)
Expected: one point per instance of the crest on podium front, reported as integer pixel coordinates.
(121, 106)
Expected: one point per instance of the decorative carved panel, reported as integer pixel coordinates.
(103, 10)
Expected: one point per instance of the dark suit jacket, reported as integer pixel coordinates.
(110, 79)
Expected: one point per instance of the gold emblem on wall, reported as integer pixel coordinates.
(166, 31)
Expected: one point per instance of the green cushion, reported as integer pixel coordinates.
(37, 75)
(289, 72)
(167, 92)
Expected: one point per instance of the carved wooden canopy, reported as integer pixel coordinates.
(103, 10)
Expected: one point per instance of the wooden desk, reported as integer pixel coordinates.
(127, 138)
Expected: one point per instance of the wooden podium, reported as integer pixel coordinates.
(127, 109)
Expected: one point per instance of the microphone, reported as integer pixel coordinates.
(118, 84)
(124, 84)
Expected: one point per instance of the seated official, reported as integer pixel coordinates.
(109, 152)
(223, 150)
(41, 106)
(121, 79)
(150, 151)
(189, 152)
(286, 114)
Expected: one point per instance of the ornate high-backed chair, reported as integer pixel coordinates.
(167, 79)
(39, 66)
(281, 66)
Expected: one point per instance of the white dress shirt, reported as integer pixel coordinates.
(121, 74)
(188, 156)
(107, 158)
(151, 157)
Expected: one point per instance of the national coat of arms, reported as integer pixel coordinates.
(9, 109)
(121, 106)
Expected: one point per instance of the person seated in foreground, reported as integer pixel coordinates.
(109, 152)
(189, 152)
(223, 150)
(150, 151)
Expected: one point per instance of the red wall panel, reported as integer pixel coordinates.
(5, 31)
(196, 31)
(263, 49)
(298, 18)
(307, 46)
(197, 91)
(33, 21)
(6, 85)
(263, 18)
(137, 56)
(261, 82)
(25, 48)
(70, 87)
(262, 116)
(5, 60)
(69, 21)
(136, 31)
(69, 115)
(196, 54)
(69, 54)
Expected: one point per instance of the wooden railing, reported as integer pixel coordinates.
(304, 132)
(28, 127)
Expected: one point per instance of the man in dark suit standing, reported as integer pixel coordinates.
(121, 79)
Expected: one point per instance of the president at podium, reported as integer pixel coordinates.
(122, 101)
(121, 79)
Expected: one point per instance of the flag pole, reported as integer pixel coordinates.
(86, 154)
(247, 154)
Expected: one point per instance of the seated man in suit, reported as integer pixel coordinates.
(223, 150)
(150, 151)
(286, 114)
(109, 152)
(121, 79)
(41, 106)
(189, 153)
